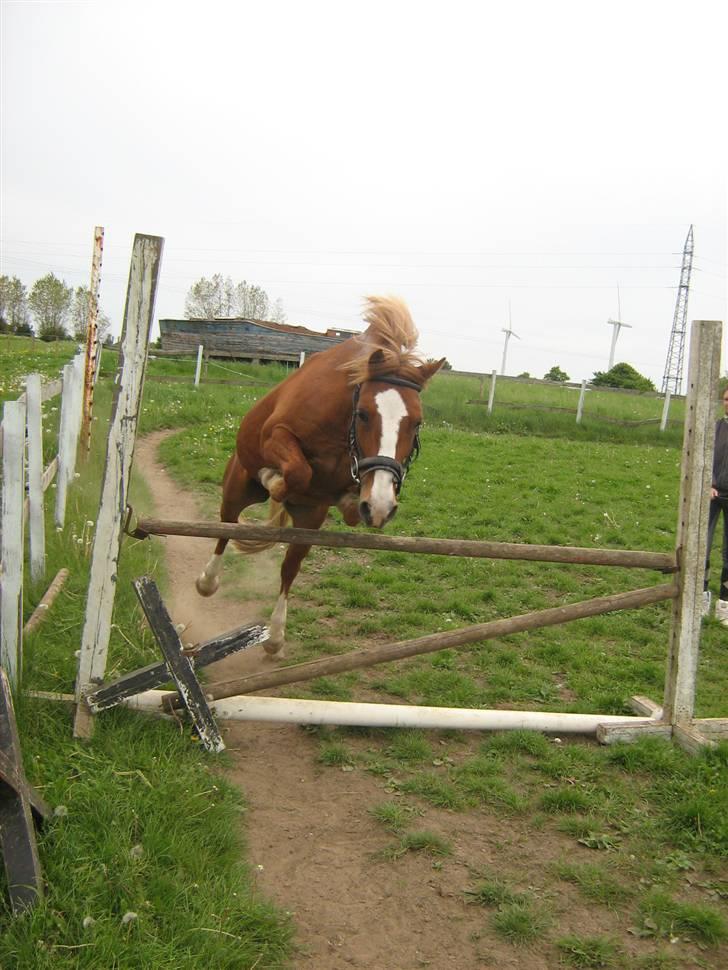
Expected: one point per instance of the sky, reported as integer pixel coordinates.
(538, 163)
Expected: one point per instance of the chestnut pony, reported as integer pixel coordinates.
(339, 431)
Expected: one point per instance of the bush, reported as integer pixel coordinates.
(623, 375)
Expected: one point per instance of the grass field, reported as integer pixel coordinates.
(647, 824)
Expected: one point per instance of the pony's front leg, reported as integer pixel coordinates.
(286, 470)
(303, 518)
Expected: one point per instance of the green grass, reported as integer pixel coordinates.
(521, 923)
(664, 916)
(595, 951)
(424, 842)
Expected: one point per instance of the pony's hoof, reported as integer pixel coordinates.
(207, 585)
(274, 648)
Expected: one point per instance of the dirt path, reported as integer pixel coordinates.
(312, 841)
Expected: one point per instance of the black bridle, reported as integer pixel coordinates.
(363, 466)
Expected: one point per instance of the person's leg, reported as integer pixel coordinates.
(713, 514)
(721, 607)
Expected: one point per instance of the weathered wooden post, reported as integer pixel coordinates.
(138, 316)
(92, 341)
(11, 589)
(71, 403)
(692, 527)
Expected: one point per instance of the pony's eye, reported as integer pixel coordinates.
(362, 416)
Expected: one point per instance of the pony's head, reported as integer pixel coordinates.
(387, 376)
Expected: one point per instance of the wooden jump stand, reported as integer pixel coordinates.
(675, 718)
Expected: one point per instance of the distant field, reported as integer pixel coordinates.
(20, 356)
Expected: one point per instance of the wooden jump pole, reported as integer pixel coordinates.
(473, 548)
(371, 656)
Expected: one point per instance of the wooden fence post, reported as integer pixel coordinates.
(36, 524)
(138, 316)
(92, 340)
(11, 592)
(491, 395)
(71, 403)
(580, 406)
(695, 478)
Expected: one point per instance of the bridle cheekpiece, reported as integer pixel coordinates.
(363, 466)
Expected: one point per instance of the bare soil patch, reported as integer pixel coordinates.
(316, 850)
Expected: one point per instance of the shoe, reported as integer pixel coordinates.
(721, 612)
(706, 603)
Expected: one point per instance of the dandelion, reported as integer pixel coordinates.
(128, 918)
(88, 921)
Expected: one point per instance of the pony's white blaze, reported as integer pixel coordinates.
(383, 497)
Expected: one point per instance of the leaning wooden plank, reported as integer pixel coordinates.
(690, 738)
(154, 675)
(178, 664)
(138, 317)
(20, 853)
(50, 473)
(13, 777)
(49, 597)
(11, 544)
(383, 653)
(712, 727)
(36, 515)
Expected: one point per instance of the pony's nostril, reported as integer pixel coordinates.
(392, 514)
(366, 512)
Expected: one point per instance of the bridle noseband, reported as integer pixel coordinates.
(363, 466)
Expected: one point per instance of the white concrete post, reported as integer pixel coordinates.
(491, 395)
(199, 365)
(36, 502)
(665, 410)
(580, 406)
(71, 405)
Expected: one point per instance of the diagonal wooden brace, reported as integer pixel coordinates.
(178, 664)
(17, 802)
(154, 675)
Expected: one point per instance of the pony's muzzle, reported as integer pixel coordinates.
(376, 518)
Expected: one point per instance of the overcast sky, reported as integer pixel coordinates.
(465, 156)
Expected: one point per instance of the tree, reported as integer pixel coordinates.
(14, 313)
(623, 375)
(50, 300)
(79, 316)
(556, 374)
(210, 299)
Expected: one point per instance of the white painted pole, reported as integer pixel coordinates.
(580, 406)
(71, 405)
(250, 707)
(35, 477)
(199, 365)
(302, 358)
(695, 477)
(491, 395)
(11, 546)
(665, 410)
(138, 317)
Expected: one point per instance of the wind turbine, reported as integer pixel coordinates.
(617, 324)
(509, 333)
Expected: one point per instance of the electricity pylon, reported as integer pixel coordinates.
(672, 378)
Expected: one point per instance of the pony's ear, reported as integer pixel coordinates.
(376, 362)
(430, 368)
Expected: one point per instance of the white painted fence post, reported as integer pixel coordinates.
(11, 591)
(138, 316)
(695, 477)
(302, 358)
(665, 410)
(491, 395)
(71, 405)
(580, 406)
(36, 530)
(199, 365)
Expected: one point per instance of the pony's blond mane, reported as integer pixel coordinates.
(390, 332)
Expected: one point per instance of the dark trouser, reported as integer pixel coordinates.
(718, 505)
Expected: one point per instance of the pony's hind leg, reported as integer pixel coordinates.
(304, 517)
(239, 491)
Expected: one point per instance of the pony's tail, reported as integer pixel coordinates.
(278, 519)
